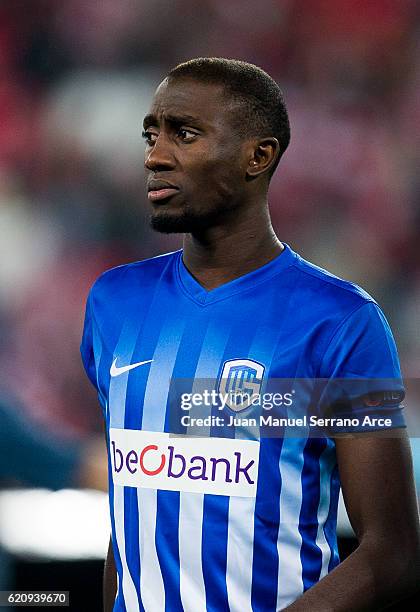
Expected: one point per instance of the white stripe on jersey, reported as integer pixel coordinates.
(129, 590)
(191, 508)
(240, 549)
(326, 467)
(192, 589)
(289, 540)
(240, 542)
(151, 581)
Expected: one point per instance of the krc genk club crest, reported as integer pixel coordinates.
(240, 382)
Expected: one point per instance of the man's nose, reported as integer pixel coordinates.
(160, 155)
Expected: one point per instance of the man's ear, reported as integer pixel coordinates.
(263, 156)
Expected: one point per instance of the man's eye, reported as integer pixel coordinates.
(186, 135)
(149, 137)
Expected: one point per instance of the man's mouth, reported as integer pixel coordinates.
(161, 194)
(160, 190)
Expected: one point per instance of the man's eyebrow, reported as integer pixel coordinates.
(174, 119)
(178, 119)
(149, 120)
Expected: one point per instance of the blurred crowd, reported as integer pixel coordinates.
(76, 78)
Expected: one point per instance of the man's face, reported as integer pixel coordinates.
(195, 162)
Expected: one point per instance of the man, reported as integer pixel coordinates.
(236, 302)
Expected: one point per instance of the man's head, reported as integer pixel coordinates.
(215, 133)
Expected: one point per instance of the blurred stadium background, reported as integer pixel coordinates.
(76, 78)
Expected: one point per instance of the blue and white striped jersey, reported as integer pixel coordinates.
(229, 521)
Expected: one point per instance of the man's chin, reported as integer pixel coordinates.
(178, 224)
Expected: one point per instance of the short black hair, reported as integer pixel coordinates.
(262, 110)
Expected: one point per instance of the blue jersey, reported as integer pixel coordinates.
(240, 521)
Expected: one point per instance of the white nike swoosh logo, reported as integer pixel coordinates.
(115, 371)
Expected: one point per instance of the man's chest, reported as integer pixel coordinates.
(180, 354)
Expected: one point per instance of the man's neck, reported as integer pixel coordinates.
(226, 252)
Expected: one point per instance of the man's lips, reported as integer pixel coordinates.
(159, 189)
(161, 194)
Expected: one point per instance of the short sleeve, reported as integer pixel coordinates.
(86, 347)
(362, 365)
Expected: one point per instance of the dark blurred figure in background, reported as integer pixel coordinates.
(32, 457)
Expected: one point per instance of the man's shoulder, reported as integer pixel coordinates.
(131, 274)
(329, 287)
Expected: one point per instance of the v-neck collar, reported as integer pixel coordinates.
(203, 296)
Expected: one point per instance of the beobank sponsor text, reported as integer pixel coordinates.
(155, 460)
